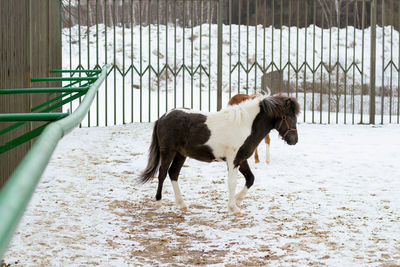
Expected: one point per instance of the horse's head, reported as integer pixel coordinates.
(283, 110)
(286, 123)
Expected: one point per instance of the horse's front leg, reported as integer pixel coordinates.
(232, 182)
(248, 175)
(256, 158)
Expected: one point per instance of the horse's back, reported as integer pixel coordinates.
(185, 131)
(183, 122)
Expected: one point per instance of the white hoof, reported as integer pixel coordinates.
(238, 201)
(240, 196)
(158, 204)
(233, 208)
(238, 214)
(182, 206)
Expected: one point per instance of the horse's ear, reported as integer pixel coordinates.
(289, 104)
(292, 105)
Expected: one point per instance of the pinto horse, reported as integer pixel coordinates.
(238, 98)
(229, 135)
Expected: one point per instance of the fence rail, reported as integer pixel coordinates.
(16, 193)
(341, 62)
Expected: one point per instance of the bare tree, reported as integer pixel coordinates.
(334, 8)
(325, 8)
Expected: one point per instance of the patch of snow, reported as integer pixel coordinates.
(333, 199)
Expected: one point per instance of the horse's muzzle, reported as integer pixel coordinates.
(292, 138)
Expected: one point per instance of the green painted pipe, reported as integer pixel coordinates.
(32, 116)
(42, 90)
(57, 79)
(74, 71)
(22, 139)
(16, 193)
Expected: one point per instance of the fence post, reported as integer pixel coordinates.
(219, 67)
(372, 66)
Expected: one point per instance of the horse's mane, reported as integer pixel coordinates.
(275, 106)
(240, 112)
(280, 105)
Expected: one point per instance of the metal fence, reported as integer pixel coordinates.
(339, 58)
(16, 193)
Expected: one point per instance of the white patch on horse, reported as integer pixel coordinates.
(230, 127)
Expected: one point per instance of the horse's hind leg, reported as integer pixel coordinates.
(166, 158)
(267, 144)
(256, 158)
(173, 172)
(244, 168)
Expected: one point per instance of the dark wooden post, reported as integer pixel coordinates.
(30, 45)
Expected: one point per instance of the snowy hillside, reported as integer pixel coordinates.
(149, 96)
(301, 48)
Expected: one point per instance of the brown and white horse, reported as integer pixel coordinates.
(238, 98)
(230, 135)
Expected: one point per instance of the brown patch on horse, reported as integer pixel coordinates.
(267, 139)
(238, 98)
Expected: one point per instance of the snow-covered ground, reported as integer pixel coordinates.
(333, 199)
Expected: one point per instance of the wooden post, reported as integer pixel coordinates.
(31, 47)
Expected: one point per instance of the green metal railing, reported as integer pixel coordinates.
(173, 53)
(65, 95)
(33, 116)
(19, 188)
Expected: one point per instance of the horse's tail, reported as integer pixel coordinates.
(154, 158)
